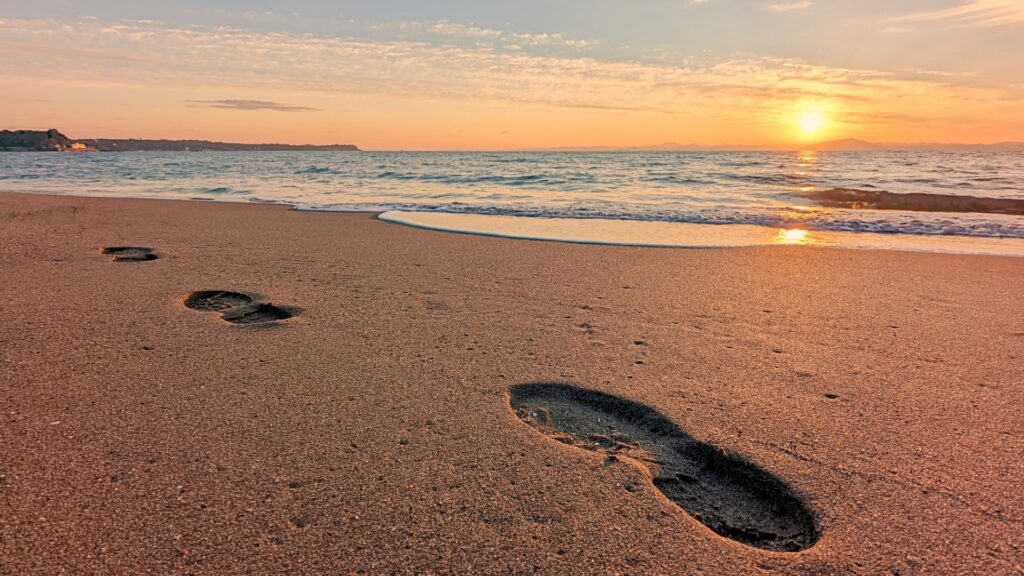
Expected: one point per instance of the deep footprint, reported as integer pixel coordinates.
(129, 253)
(730, 495)
(255, 314)
(216, 300)
(235, 307)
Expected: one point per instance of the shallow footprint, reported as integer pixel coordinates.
(129, 253)
(730, 495)
(216, 300)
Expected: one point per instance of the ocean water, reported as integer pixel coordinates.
(761, 189)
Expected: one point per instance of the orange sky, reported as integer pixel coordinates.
(93, 78)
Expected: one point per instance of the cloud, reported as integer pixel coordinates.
(973, 14)
(201, 60)
(789, 6)
(32, 48)
(455, 30)
(250, 105)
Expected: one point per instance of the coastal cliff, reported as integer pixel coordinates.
(38, 141)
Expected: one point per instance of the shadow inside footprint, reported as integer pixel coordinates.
(216, 300)
(237, 308)
(255, 314)
(727, 493)
(129, 253)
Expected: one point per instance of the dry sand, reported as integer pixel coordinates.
(372, 433)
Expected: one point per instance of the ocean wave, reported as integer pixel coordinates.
(713, 188)
(497, 180)
(20, 176)
(783, 179)
(316, 170)
(853, 198)
(825, 221)
(677, 179)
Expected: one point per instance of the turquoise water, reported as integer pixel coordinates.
(723, 188)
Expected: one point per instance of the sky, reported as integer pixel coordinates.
(475, 75)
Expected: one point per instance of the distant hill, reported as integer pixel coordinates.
(854, 145)
(844, 145)
(133, 145)
(36, 141)
(54, 141)
(997, 147)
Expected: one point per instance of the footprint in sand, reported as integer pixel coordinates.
(216, 300)
(727, 493)
(129, 253)
(235, 307)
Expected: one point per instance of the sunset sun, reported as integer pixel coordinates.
(811, 122)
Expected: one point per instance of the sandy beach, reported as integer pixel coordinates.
(374, 433)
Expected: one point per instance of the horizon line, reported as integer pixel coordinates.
(864, 145)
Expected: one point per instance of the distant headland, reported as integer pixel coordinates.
(38, 141)
(54, 141)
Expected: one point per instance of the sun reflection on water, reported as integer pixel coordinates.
(808, 157)
(793, 236)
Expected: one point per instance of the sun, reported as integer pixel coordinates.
(811, 122)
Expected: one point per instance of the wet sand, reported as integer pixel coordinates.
(372, 431)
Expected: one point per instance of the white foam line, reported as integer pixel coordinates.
(400, 217)
(739, 235)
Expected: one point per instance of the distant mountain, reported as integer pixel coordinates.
(37, 141)
(854, 145)
(997, 147)
(844, 145)
(54, 141)
(134, 145)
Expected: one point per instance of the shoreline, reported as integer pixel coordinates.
(372, 431)
(625, 231)
(690, 236)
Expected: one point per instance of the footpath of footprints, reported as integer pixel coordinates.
(234, 307)
(727, 493)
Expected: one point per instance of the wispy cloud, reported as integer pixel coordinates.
(455, 30)
(789, 6)
(250, 105)
(27, 49)
(204, 63)
(973, 14)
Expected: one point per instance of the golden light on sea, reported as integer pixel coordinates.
(793, 236)
(808, 158)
